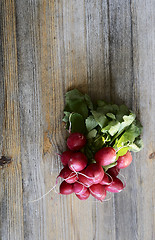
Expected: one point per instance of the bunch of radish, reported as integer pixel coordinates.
(84, 178)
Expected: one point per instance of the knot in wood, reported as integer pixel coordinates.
(4, 160)
(152, 155)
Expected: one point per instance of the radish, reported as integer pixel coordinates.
(98, 191)
(84, 196)
(68, 175)
(95, 173)
(124, 161)
(83, 178)
(114, 171)
(79, 188)
(65, 156)
(115, 186)
(105, 156)
(106, 180)
(66, 188)
(76, 141)
(77, 162)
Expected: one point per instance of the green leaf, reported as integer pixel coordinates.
(123, 110)
(138, 124)
(90, 123)
(77, 106)
(100, 118)
(112, 128)
(109, 166)
(111, 115)
(115, 108)
(127, 121)
(75, 102)
(129, 136)
(122, 151)
(139, 142)
(77, 123)
(134, 148)
(137, 145)
(101, 103)
(108, 108)
(66, 117)
(99, 142)
(88, 102)
(92, 134)
(74, 94)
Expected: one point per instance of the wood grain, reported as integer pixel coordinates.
(144, 89)
(11, 205)
(121, 72)
(99, 82)
(104, 48)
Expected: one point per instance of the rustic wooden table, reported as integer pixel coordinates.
(104, 48)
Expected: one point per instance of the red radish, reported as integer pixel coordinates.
(77, 162)
(65, 156)
(84, 196)
(105, 156)
(95, 173)
(98, 191)
(83, 178)
(124, 161)
(115, 186)
(76, 141)
(79, 188)
(114, 171)
(68, 175)
(66, 188)
(106, 180)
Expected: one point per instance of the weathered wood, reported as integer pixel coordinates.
(121, 73)
(11, 205)
(104, 48)
(99, 82)
(143, 22)
(45, 73)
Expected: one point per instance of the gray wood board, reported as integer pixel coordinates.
(104, 48)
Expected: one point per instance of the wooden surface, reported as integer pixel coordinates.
(104, 48)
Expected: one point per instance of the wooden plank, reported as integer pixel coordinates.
(130, 72)
(97, 35)
(143, 22)
(121, 70)
(121, 76)
(31, 119)
(99, 83)
(11, 211)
